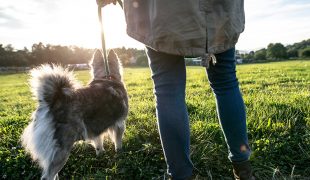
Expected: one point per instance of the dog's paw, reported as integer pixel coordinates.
(99, 151)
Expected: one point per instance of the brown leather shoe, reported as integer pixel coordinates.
(243, 170)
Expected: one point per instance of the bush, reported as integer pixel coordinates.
(305, 53)
(142, 60)
(260, 54)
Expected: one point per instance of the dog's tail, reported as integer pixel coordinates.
(38, 137)
(51, 83)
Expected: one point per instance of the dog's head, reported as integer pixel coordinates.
(98, 67)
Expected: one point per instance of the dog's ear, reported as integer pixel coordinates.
(112, 55)
(97, 58)
(115, 65)
(97, 65)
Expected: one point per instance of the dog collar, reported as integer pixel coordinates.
(110, 77)
(104, 78)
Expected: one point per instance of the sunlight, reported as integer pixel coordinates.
(75, 22)
(115, 28)
(81, 27)
(114, 25)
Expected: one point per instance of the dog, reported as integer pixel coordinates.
(68, 113)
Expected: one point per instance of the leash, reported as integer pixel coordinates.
(104, 50)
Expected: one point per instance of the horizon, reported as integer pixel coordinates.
(23, 24)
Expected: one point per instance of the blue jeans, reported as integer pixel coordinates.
(169, 77)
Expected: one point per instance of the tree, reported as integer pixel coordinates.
(142, 60)
(80, 55)
(260, 54)
(38, 54)
(276, 51)
(9, 57)
(295, 49)
(9, 48)
(305, 53)
(125, 55)
(248, 57)
(292, 53)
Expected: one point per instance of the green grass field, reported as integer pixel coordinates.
(277, 97)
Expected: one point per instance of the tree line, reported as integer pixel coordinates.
(41, 53)
(277, 51)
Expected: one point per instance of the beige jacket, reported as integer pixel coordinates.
(185, 27)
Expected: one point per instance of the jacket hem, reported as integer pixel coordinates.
(195, 52)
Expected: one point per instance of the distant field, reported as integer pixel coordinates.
(277, 97)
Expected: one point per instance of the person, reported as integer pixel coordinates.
(172, 30)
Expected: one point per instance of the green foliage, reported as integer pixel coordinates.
(276, 51)
(248, 57)
(41, 53)
(260, 54)
(142, 61)
(292, 53)
(278, 116)
(292, 50)
(126, 55)
(305, 52)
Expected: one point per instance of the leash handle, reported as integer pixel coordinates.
(104, 50)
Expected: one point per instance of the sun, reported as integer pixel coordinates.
(81, 27)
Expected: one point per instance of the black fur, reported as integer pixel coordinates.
(67, 113)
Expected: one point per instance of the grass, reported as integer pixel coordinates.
(277, 97)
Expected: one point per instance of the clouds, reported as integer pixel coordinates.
(282, 21)
(23, 23)
(32, 13)
(66, 22)
(265, 10)
(9, 21)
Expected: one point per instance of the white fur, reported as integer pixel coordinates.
(97, 143)
(116, 133)
(39, 75)
(37, 138)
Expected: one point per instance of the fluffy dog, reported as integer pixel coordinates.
(67, 113)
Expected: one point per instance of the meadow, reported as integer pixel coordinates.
(277, 98)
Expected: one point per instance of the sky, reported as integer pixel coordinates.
(75, 22)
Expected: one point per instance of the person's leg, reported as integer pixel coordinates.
(230, 105)
(169, 77)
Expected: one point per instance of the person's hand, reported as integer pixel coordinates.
(103, 3)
